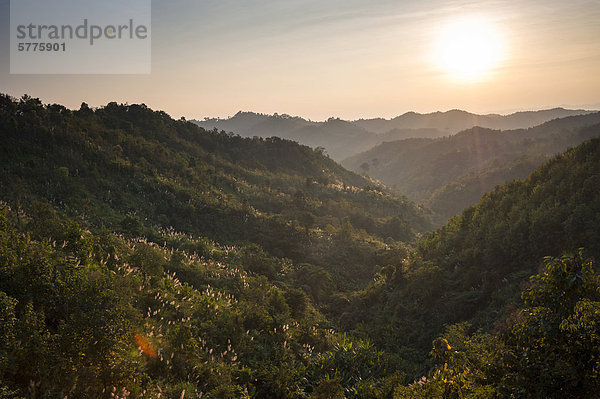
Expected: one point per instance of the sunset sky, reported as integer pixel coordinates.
(348, 58)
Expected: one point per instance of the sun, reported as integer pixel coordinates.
(468, 48)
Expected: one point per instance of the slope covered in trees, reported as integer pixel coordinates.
(130, 169)
(547, 348)
(98, 315)
(448, 174)
(474, 266)
(142, 256)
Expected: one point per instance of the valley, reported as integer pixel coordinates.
(147, 256)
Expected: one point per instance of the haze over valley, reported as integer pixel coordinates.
(342, 139)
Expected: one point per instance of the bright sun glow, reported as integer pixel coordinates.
(469, 48)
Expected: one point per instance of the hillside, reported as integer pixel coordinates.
(249, 124)
(142, 255)
(472, 268)
(129, 168)
(95, 314)
(449, 174)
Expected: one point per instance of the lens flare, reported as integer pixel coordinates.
(145, 345)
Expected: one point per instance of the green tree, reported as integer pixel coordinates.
(554, 346)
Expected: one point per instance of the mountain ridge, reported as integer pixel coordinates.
(428, 169)
(362, 134)
(459, 119)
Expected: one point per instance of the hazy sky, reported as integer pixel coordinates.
(347, 58)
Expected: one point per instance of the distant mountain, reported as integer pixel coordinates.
(399, 134)
(342, 139)
(453, 121)
(339, 138)
(250, 124)
(452, 173)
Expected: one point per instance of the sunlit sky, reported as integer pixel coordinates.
(347, 58)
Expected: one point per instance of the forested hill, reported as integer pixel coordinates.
(474, 266)
(554, 211)
(128, 165)
(448, 174)
(142, 255)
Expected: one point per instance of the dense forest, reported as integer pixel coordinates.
(131, 170)
(142, 256)
(471, 268)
